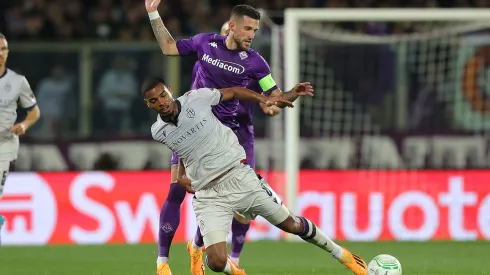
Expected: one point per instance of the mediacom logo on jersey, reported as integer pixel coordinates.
(225, 65)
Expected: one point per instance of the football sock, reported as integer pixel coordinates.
(239, 232)
(169, 219)
(198, 239)
(227, 269)
(162, 260)
(312, 234)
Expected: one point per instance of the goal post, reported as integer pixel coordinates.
(296, 17)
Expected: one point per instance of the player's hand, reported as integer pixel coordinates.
(186, 184)
(19, 129)
(151, 5)
(303, 89)
(274, 100)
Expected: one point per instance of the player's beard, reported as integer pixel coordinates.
(240, 43)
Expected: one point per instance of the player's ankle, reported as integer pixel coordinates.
(337, 253)
(162, 260)
(196, 246)
(235, 260)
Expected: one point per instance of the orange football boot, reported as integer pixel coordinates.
(353, 262)
(163, 269)
(197, 266)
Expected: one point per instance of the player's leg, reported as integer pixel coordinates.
(169, 219)
(241, 225)
(4, 170)
(265, 202)
(214, 215)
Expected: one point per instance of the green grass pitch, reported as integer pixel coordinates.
(267, 258)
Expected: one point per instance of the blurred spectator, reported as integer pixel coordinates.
(52, 94)
(112, 19)
(117, 89)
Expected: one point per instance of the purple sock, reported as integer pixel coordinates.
(198, 240)
(170, 218)
(239, 233)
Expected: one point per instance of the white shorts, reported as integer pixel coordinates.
(9, 148)
(239, 191)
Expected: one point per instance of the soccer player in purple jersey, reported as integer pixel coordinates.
(224, 61)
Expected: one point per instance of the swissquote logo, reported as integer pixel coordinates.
(29, 205)
(225, 65)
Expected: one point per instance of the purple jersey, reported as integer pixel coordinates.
(245, 108)
(194, 70)
(220, 67)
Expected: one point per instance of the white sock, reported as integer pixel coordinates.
(235, 260)
(162, 260)
(194, 245)
(315, 236)
(227, 269)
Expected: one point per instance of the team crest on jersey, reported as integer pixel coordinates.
(190, 113)
(7, 88)
(243, 55)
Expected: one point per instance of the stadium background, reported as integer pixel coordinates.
(88, 172)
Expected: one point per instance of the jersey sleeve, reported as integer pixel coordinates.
(26, 98)
(208, 96)
(261, 72)
(191, 45)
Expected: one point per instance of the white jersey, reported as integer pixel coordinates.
(14, 90)
(207, 147)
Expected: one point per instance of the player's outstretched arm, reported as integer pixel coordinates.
(301, 89)
(249, 95)
(164, 38)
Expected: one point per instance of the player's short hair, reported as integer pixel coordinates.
(245, 10)
(2, 36)
(150, 83)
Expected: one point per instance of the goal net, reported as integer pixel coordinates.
(397, 93)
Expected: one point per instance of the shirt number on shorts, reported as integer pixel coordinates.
(269, 192)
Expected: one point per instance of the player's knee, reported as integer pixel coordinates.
(216, 260)
(176, 194)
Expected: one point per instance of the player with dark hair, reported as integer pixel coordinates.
(14, 91)
(245, 134)
(224, 61)
(212, 165)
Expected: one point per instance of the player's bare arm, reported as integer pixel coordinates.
(163, 36)
(32, 117)
(174, 172)
(182, 179)
(249, 95)
(301, 89)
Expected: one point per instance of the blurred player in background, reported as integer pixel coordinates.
(14, 90)
(213, 167)
(224, 61)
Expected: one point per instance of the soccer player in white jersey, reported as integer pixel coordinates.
(223, 62)
(223, 184)
(14, 90)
